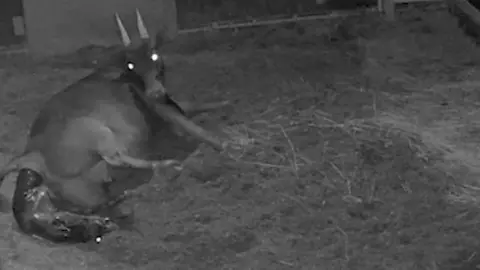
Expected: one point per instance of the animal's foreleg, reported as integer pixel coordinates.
(190, 127)
(192, 109)
(116, 158)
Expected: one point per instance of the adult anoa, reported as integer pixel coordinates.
(90, 130)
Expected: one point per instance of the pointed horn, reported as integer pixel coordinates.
(125, 38)
(141, 26)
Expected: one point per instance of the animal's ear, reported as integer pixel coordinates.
(123, 32)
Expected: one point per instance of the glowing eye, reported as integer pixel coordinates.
(98, 240)
(154, 57)
(130, 66)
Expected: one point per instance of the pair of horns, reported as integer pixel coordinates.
(140, 26)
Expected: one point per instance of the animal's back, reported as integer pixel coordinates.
(81, 99)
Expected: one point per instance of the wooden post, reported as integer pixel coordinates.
(380, 5)
(389, 9)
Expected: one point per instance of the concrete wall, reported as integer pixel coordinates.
(62, 26)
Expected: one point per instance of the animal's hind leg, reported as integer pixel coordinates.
(83, 193)
(101, 180)
(121, 214)
(114, 153)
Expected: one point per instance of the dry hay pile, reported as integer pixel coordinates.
(407, 174)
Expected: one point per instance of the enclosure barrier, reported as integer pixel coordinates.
(236, 25)
(384, 6)
(468, 17)
(388, 6)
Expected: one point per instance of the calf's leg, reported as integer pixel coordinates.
(36, 214)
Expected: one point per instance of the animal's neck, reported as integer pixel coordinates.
(132, 79)
(136, 81)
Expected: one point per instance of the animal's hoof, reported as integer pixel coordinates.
(225, 146)
(162, 164)
(234, 150)
(124, 216)
(230, 148)
(121, 212)
(224, 103)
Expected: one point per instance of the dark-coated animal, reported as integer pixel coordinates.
(94, 134)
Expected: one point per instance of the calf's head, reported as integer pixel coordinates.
(142, 62)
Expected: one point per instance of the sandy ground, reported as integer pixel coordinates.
(358, 151)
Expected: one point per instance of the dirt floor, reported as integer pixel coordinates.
(356, 148)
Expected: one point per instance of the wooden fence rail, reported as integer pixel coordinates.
(221, 25)
(384, 6)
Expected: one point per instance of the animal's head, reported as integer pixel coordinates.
(142, 60)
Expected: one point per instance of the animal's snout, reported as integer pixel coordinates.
(153, 87)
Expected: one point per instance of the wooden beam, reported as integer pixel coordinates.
(415, 1)
(467, 9)
(468, 17)
(389, 9)
(380, 5)
(221, 25)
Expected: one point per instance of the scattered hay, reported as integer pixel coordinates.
(265, 144)
(317, 185)
(440, 143)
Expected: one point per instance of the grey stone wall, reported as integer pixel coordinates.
(63, 26)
